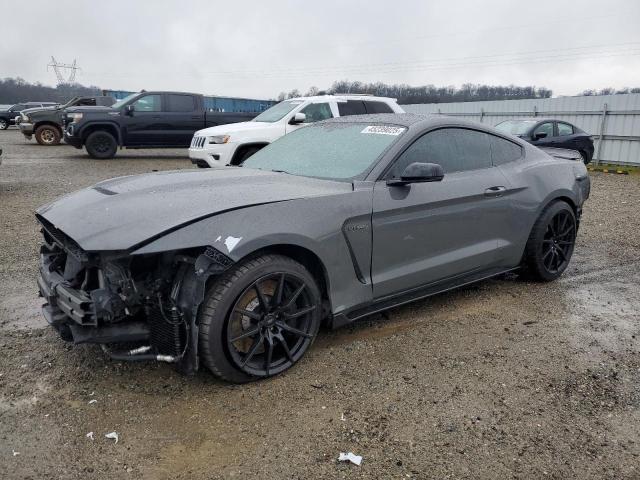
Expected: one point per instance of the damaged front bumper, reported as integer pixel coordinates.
(107, 299)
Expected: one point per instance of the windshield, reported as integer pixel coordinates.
(278, 111)
(338, 151)
(69, 103)
(120, 103)
(516, 127)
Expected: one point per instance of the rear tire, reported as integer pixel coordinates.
(245, 335)
(48, 135)
(551, 242)
(101, 145)
(4, 124)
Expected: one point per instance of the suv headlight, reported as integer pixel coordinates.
(219, 139)
(74, 117)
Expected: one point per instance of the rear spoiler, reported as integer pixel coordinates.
(562, 153)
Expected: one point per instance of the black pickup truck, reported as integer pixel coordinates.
(143, 120)
(47, 123)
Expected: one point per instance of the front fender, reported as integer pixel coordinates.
(100, 123)
(316, 225)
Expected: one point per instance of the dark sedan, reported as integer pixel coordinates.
(546, 132)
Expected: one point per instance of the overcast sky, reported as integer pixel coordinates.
(260, 48)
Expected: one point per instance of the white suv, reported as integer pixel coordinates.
(232, 144)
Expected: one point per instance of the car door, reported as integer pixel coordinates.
(183, 116)
(549, 140)
(567, 137)
(144, 126)
(428, 232)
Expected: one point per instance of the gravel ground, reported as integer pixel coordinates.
(504, 379)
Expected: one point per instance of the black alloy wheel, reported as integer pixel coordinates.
(551, 242)
(259, 318)
(558, 242)
(101, 145)
(4, 124)
(271, 324)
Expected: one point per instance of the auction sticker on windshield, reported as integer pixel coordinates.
(383, 130)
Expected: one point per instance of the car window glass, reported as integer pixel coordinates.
(455, 149)
(316, 112)
(544, 128)
(351, 107)
(18, 107)
(564, 129)
(378, 107)
(181, 103)
(503, 151)
(148, 103)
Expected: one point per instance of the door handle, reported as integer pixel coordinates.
(495, 191)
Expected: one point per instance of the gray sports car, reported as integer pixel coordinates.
(238, 267)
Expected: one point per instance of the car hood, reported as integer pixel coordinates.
(40, 109)
(232, 128)
(126, 212)
(90, 109)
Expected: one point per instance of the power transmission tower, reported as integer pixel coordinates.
(59, 67)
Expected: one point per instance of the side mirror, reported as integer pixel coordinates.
(129, 109)
(418, 173)
(539, 135)
(297, 119)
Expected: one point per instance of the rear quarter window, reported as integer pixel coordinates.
(351, 107)
(377, 107)
(503, 151)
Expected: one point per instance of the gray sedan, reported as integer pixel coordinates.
(237, 268)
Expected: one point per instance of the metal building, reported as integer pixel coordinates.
(214, 103)
(612, 120)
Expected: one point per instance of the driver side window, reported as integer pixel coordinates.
(454, 149)
(544, 128)
(148, 103)
(316, 112)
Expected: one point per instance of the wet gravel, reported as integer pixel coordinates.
(503, 379)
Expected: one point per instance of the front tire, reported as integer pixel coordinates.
(259, 319)
(101, 145)
(551, 242)
(4, 124)
(48, 135)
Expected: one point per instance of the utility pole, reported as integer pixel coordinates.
(59, 68)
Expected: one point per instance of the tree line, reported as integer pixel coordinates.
(16, 90)
(406, 94)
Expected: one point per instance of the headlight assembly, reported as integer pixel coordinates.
(219, 139)
(74, 117)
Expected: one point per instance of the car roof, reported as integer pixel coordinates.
(345, 96)
(408, 120)
(536, 119)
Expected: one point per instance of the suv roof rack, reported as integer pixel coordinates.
(355, 94)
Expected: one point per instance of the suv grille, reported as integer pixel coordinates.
(198, 142)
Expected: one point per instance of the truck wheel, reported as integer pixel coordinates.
(4, 124)
(259, 318)
(101, 145)
(47, 135)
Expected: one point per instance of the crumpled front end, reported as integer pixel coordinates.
(149, 302)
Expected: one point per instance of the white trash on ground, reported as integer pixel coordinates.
(350, 457)
(112, 435)
(89, 435)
